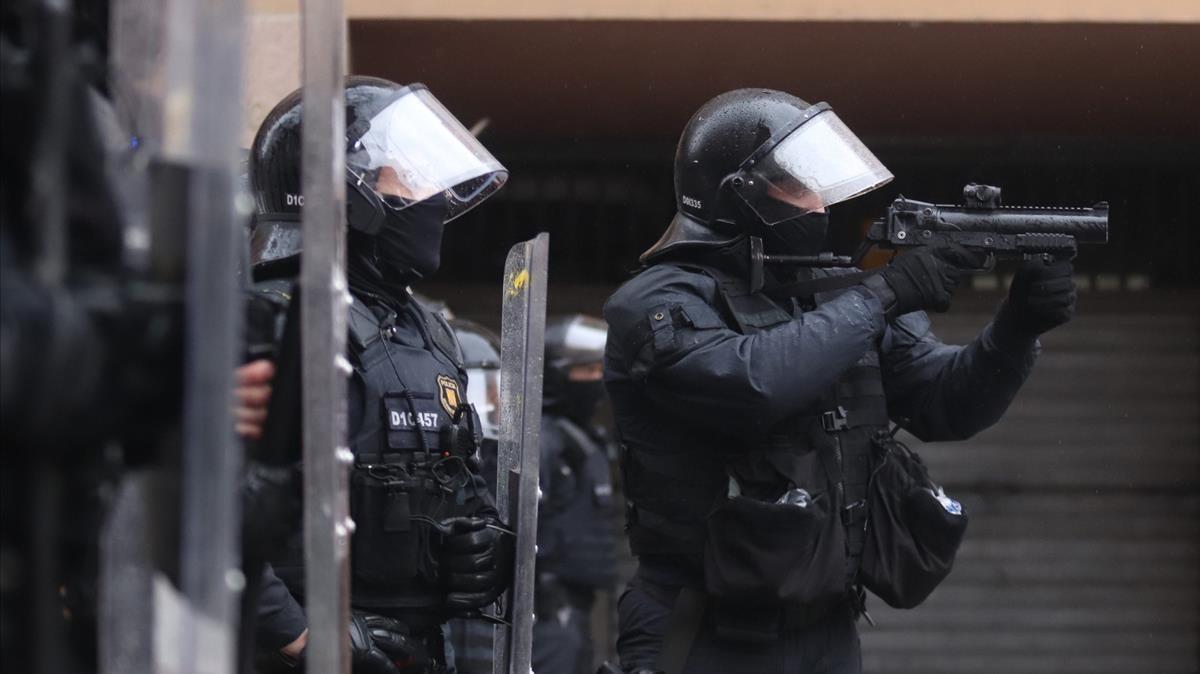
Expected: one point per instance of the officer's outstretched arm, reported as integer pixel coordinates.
(666, 332)
(943, 392)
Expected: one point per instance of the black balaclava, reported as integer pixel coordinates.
(408, 248)
(804, 235)
(576, 400)
(580, 400)
(410, 243)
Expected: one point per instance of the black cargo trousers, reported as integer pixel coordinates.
(829, 646)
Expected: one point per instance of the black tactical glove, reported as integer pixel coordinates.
(378, 645)
(1041, 297)
(476, 563)
(381, 645)
(924, 278)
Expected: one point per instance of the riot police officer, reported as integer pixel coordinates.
(427, 545)
(576, 538)
(749, 402)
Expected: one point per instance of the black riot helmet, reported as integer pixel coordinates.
(751, 159)
(573, 341)
(410, 165)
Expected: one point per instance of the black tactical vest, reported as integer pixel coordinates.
(754, 551)
(579, 532)
(414, 454)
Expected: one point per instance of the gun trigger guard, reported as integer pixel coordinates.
(989, 264)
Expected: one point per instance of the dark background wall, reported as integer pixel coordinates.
(642, 79)
(1083, 549)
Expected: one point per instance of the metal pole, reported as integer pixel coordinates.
(324, 296)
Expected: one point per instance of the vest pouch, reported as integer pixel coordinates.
(773, 554)
(385, 543)
(913, 532)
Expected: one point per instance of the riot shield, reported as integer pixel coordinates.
(134, 544)
(181, 81)
(207, 72)
(324, 297)
(522, 341)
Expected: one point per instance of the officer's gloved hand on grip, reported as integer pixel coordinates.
(1041, 297)
(378, 643)
(924, 278)
(476, 563)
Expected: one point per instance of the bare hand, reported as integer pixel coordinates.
(252, 393)
(291, 652)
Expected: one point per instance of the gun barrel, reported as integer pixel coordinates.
(1089, 225)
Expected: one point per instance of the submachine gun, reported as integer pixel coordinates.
(980, 223)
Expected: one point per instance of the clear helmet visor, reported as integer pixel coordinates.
(483, 392)
(575, 340)
(819, 164)
(414, 149)
(585, 338)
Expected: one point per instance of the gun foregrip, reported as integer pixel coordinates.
(1044, 243)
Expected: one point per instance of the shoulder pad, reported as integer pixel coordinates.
(659, 284)
(747, 311)
(649, 307)
(363, 325)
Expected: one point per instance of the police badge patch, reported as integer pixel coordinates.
(448, 393)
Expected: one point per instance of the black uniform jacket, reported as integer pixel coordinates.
(280, 616)
(675, 369)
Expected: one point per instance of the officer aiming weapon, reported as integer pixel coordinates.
(980, 223)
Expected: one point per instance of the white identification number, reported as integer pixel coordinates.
(409, 420)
